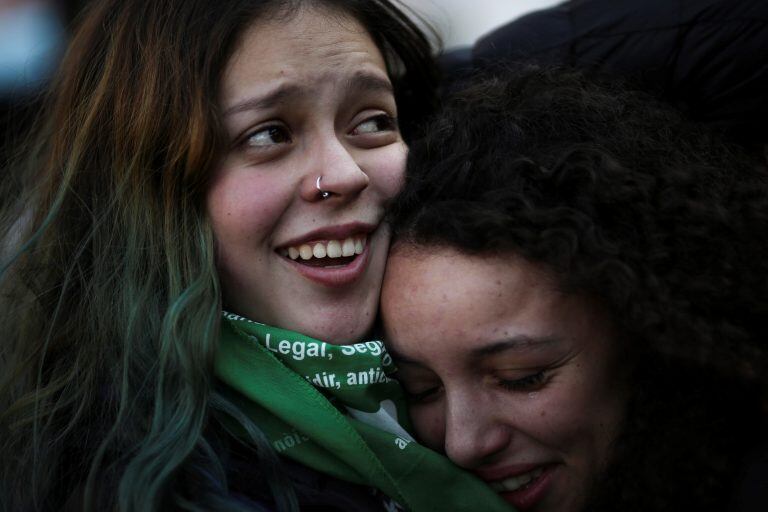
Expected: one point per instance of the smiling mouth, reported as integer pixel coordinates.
(517, 482)
(326, 253)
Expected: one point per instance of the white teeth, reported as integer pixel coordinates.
(305, 252)
(334, 249)
(330, 249)
(318, 251)
(348, 249)
(516, 482)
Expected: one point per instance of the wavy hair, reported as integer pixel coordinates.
(110, 298)
(624, 201)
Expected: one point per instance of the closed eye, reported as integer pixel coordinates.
(528, 383)
(424, 396)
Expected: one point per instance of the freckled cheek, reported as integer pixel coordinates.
(579, 422)
(429, 423)
(553, 419)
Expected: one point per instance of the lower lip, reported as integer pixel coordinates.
(527, 497)
(335, 277)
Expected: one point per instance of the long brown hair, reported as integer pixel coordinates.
(110, 297)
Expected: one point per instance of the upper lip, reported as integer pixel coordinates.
(502, 473)
(339, 232)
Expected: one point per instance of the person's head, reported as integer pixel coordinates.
(210, 125)
(175, 172)
(308, 106)
(513, 378)
(574, 282)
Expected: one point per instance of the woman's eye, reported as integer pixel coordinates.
(379, 123)
(268, 136)
(527, 383)
(425, 396)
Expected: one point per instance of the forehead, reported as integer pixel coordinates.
(313, 45)
(444, 309)
(435, 289)
(454, 275)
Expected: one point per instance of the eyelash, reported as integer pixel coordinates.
(422, 396)
(272, 129)
(385, 122)
(527, 383)
(389, 123)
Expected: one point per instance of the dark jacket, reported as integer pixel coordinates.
(315, 491)
(708, 57)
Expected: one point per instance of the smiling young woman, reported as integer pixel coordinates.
(197, 157)
(576, 298)
(308, 106)
(509, 376)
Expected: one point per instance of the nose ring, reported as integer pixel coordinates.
(324, 194)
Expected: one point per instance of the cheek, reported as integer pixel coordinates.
(598, 398)
(244, 206)
(429, 423)
(578, 416)
(386, 168)
(558, 418)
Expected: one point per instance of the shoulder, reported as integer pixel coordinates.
(706, 57)
(592, 31)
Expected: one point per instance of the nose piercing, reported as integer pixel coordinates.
(324, 194)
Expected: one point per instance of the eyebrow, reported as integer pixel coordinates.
(515, 343)
(367, 82)
(269, 100)
(360, 82)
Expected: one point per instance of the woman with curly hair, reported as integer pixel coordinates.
(192, 255)
(576, 297)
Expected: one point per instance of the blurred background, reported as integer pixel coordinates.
(34, 34)
(32, 37)
(706, 56)
(460, 22)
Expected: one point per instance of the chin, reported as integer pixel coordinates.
(338, 326)
(344, 334)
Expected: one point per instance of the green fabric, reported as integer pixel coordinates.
(334, 408)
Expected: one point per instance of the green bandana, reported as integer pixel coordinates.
(334, 408)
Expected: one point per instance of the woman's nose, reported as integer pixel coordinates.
(333, 174)
(472, 432)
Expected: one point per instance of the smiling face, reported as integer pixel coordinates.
(306, 96)
(511, 378)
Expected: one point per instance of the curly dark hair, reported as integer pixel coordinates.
(665, 225)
